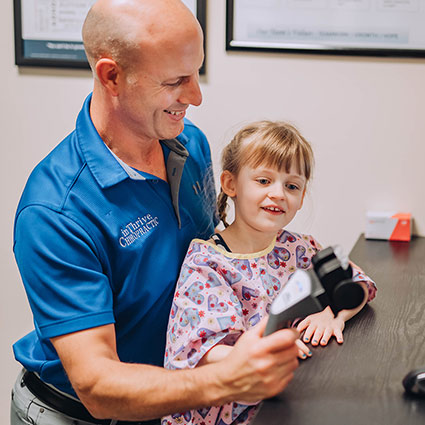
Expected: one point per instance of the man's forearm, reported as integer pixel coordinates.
(254, 369)
(113, 389)
(138, 392)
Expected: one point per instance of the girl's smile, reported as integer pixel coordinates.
(273, 210)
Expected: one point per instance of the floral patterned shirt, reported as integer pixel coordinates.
(220, 295)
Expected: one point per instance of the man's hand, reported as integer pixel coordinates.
(259, 367)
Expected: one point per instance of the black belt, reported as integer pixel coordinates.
(67, 405)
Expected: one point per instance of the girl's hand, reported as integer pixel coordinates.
(320, 327)
(303, 350)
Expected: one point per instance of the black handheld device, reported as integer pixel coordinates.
(328, 283)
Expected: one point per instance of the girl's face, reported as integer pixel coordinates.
(266, 200)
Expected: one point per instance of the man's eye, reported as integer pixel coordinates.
(176, 84)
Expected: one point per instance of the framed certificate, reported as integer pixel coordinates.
(345, 27)
(48, 32)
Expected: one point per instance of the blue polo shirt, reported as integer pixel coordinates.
(99, 243)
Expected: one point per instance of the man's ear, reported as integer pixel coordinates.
(108, 72)
(228, 183)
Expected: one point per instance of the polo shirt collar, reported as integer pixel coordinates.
(103, 166)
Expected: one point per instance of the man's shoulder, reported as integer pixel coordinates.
(51, 179)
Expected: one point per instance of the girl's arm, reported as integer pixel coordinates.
(320, 327)
(216, 354)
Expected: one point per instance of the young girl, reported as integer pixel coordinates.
(227, 283)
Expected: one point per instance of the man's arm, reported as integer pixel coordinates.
(256, 368)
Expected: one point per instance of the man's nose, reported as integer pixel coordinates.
(191, 94)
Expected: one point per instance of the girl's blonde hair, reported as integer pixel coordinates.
(273, 144)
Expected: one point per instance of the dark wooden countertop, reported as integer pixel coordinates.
(359, 382)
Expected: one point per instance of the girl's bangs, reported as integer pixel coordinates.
(278, 155)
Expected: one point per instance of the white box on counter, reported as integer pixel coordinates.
(388, 225)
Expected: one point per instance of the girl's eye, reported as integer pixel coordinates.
(263, 181)
(292, 186)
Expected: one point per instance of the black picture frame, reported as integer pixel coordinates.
(316, 47)
(199, 9)
(64, 54)
(201, 14)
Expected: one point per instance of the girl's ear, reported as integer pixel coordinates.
(228, 183)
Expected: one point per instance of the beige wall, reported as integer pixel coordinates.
(364, 117)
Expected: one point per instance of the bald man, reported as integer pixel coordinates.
(103, 226)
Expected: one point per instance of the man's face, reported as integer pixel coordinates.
(155, 96)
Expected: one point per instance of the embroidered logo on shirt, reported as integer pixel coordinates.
(137, 228)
